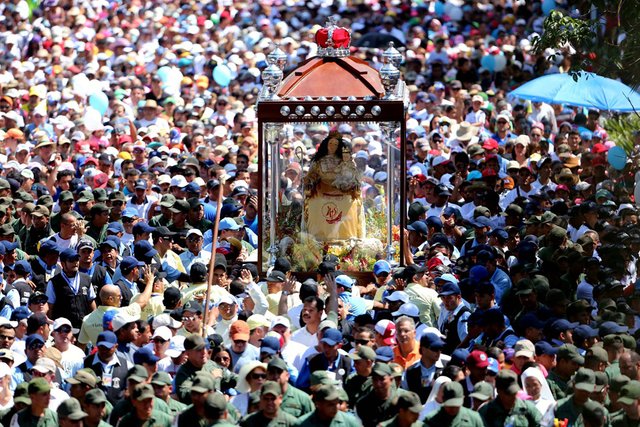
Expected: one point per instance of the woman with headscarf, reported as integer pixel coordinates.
(250, 379)
(435, 397)
(538, 389)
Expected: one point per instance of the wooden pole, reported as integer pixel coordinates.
(214, 245)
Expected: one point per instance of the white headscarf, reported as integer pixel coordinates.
(432, 404)
(545, 392)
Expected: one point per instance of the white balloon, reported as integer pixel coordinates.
(92, 120)
(81, 84)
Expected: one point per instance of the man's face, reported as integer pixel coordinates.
(327, 409)
(227, 311)
(381, 384)
(143, 408)
(95, 412)
(194, 243)
(405, 333)
(62, 335)
(310, 312)
(270, 403)
(35, 350)
(197, 357)
(71, 267)
(7, 337)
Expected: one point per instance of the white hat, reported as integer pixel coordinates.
(164, 179)
(122, 318)
(176, 346)
(5, 321)
(44, 365)
(165, 320)
(438, 160)
(227, 298)
(220, 131)
(280, 320)
(163, 332)
(23, 147)
(61, 321)
(179, 181)
(194, 231)
(200, 182)
(26, 173)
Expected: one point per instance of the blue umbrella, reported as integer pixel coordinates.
(589, 90)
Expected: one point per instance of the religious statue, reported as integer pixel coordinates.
(333, 203)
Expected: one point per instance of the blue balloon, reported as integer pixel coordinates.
(222, 75)
(164, 73)
(617, 157)
(548, 6)
(439, 9)
(488, 62)
(99, 102)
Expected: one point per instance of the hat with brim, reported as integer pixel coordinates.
(465, 132)
(566, 173)
(452, 394)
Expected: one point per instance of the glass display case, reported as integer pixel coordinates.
(331, 168)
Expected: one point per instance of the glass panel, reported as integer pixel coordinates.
(332, 186)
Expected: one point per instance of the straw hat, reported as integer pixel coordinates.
(466, 131)
(566, 173)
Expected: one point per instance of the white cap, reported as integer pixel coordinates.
(227, 298)
(164, 179)
(179, 181)
(23, 147)
(432, 330)
(44, 365)
(163, 332)
(438, 160)
(165, 320)
(122, 318)
(200, 182)
(194, 231)
(176, 346)
(5, 321)
(220, 131)
(280, 320)
(26, 173)
(61, 321)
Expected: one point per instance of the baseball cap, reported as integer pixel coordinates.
(432, 342)
(452, 394)
(584, 379)
(387, 329)
(478, 359)
(507, 381)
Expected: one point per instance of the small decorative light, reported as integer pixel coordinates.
(360, 110)
(336, 98)
(351, 98)
(308, 98)
(315, 110)
(300, 110)
(330, 111)
(376, 110)
(322, 98)
(285, 111)
(345, 110)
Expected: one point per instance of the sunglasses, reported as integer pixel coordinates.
(220, 359)
(64, 329)
(383, 274)
(188, 318)
(36, 346)
(258, 376)
(127, 220)
(117, 203)
(239, 342)
(362, 342)
(159, 340)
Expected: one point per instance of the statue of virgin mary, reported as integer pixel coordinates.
(333, 202)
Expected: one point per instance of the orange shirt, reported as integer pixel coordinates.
(409, 359)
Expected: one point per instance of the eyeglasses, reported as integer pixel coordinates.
(188, 318)
(362, 342)
(220, 359)
(258, 376)
(194, 239)
(127, 220)
(64, 329)
(36, 346)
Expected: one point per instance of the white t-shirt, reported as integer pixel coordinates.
(65, 244)
(304, 337)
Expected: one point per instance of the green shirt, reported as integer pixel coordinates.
(341, 419)
(523, 414)
(567, 408)
(257, 419)
(296, 403)
(25, 418)
(160, 221)
(125, 406)
(622, 420)
(175, 407)
(613, 370)
(156, 420)
(558, 386)
(373, 410)
(357, 386)
(465, 418)
(203, 225)
(97, 233)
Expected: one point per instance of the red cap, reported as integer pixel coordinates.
(420, 178)
(100, 180)
(478, 359)
(562, 187)
(92, 160)
(433, 263)
(490, 144)
(486, 172)
(387, 329)
(599, 148)
(124, 139)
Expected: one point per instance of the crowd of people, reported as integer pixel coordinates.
(122, 124)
